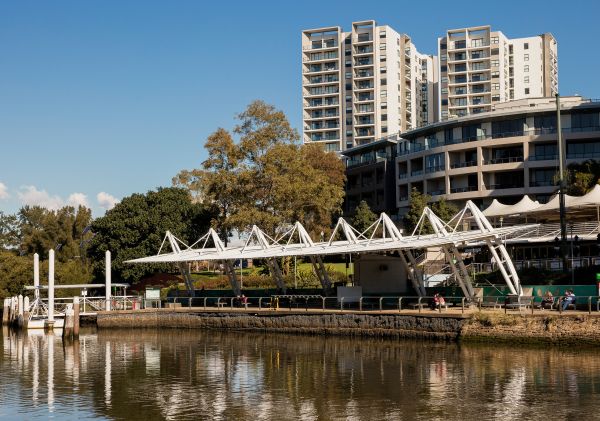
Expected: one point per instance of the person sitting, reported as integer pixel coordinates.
(547, 300)
(437, 301)
(568, 299)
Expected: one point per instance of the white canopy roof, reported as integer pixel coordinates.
(526, 205)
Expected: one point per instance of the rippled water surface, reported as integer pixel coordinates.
(171, 374)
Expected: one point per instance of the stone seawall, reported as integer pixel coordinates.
(388, 325)
(566, 329)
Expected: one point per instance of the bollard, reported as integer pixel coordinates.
(20, 312)
(25, 312)
(75, 317)
(399, 304)
(49, 324)
(589, 305)
(381, 304)
(462, 305)
(13, 311)
(68, 324)
(5, 312)
(107, 278)
(419, 304)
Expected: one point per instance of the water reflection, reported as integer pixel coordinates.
(215, 375)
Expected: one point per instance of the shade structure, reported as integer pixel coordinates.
(497, 209)
(527, 206)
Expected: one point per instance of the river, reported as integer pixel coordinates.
(196, 374)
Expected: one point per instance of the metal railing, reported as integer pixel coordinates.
(395, 304)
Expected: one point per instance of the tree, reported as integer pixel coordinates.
(266, 178)
(37, 230)
(418, 201)
(136, 227)
(10, 232)
(444, 210)
(363, 216)
(582, 177)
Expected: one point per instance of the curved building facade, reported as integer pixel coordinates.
(506, 153)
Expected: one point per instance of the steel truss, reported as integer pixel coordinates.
(381, 237)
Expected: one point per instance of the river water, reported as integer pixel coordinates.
(195, 374)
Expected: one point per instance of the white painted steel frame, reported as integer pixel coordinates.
(381, 236)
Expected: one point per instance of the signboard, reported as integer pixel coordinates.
(152, 294)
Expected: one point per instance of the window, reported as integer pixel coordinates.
(495, 86)
(383, 70)
(507, 128)
(545, 122)
(382, 34)
(526, 46)
(584, 120)
(496, 74)
(472, 132)
(444, 90)
(526, 69)
(384, 81)
(526, 57)
(383, 94)
(495, 63)
(448, 135)
(526, 79)
(348, 75)
(477, 42)
(494, 40)
(382, 47)
(383, 117)
(526, 91)
(496, 98)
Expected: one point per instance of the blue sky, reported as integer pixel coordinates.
(115, 97)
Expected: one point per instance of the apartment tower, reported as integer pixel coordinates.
(480, 67)
(363, 85)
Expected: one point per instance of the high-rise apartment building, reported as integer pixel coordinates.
(362, 85)
(480, 67)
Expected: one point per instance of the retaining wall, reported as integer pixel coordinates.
(406, 326)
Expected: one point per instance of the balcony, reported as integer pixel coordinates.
(435, 168)
(416, 173)
(364, 98)
(505, 186)
(367, 49)
(504, 160)
(321, 45)
(551, 157)
(463, 189)
(363, 74)
(463, 164)
(541, 184)
(363, 62)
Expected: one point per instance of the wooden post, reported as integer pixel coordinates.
(107, 279)
(75, 317)
(49, 325)
(20, 312)
(13, 311)
(68, 326)
(25, 312)
(5, 311)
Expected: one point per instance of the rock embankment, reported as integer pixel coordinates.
(389, 325)
(565, 329)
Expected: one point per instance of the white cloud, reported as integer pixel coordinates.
(3, 191)
(30, 195)
(78, 199)
(106, 201)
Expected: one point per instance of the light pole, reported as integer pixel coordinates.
(561, 191)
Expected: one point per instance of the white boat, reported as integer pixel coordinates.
(39, 322)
